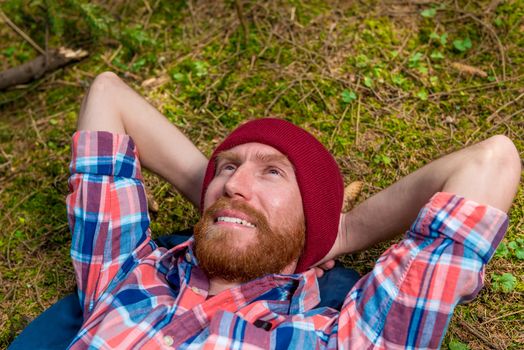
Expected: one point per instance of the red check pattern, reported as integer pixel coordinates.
(138, 296)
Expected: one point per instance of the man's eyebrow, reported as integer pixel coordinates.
(259, 156)
(228, 155)
(273, 158)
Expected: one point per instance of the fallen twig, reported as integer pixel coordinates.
(36, 68)
(479, 335)
(503, 316)
(240, 12)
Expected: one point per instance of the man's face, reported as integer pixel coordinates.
(253, 222)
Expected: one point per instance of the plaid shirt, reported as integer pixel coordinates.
(137, 295)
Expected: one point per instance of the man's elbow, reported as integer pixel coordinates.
(500, 152)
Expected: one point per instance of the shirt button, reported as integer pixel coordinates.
(188, 257)
(168, 340)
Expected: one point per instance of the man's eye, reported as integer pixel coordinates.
(274, 171)
(228, 167)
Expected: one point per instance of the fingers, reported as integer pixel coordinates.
(319, 272)
(328, 265)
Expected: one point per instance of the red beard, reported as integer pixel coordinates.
(270, 252)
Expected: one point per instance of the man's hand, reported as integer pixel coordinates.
(320, 269)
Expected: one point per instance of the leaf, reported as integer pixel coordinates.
(138, 64)
(462, 44)
(505, 282)
(436, 55)
(457, 345)
(502, 251)
(19, 234)
(434, 36)
(398, 79)
(135, 37)
(512, 245)
(415, 59)
(200, 68)
(444, 39)
(178, 77)
(362, 61)
(429, 13)
(519, 253)
(9, 51)
(368, 82)
(348, 96)
(422, 94)
(423, 69)
(382, 159)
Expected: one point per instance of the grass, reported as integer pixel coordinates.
(373, 80)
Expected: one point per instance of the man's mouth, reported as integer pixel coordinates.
(234, 220)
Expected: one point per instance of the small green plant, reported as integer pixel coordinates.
(9, 51)
(505, 282)
(415, 61)
(457, 345)
(429, 13)
(511, 249)
(462, 45)
(381, 159)
(422, 94)
(348, 96)
(440, 39)
(436, 55)
(368, 81)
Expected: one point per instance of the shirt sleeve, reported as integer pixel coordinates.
(407, 300)
(107, 212)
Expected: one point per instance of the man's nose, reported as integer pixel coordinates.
(240, 183)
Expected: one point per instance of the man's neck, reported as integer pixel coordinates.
(218, 285)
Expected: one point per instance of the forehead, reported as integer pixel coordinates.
(254, 151)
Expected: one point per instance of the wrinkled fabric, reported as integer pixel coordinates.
(136, 295)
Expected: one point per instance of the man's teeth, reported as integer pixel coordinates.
(235, 220)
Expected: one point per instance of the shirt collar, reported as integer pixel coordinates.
(303, 287)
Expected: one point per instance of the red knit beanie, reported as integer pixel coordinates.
(317, 173)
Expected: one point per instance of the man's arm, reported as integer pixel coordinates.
(107, 207)
(111, 105)
(487, 172)
(407, 300)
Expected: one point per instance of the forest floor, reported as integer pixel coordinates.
(386, 85)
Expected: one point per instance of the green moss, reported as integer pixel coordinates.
(409, 106)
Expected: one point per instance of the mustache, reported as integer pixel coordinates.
(223, 203)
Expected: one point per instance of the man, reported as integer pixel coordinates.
(271, 198)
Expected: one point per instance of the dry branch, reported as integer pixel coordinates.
(240, 13)
(34, 69)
